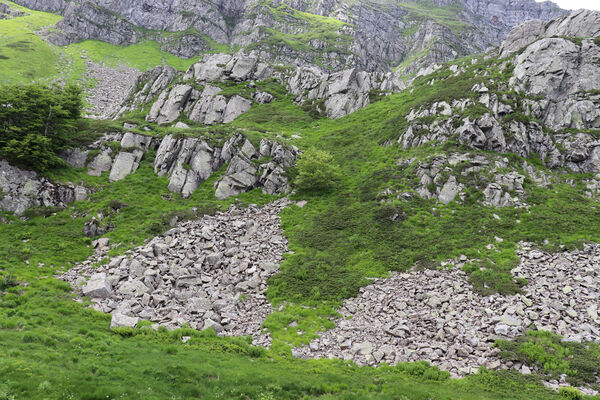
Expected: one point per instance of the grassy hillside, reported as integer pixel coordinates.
(52, 347)
(26, 57)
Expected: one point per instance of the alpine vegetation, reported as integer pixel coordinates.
(289, 199)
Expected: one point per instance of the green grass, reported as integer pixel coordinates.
(24, 56)
(545, 350)
(53, 348)
(311, 28)
(142, 56)
(448, 16)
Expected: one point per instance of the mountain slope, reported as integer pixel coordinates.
(452, 193)
(368, 34)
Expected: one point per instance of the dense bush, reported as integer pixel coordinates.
(36, 122)
(316, 171)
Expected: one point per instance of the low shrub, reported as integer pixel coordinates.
(317, 171)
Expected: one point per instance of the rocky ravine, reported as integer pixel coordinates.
(434, 315)
(210, 273)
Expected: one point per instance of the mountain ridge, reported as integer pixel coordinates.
(372, 35)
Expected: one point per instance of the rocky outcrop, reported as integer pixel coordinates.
(434, 315)
(578, 152)
(44, 5)
(487, 132)
(343, 92)
(102, 156)
(198, 94)
(559, 61)
(210, 273)
(22, 189)
(446, 178)
(578, 24)
(248, 169)
(7, 12)
(189, 162)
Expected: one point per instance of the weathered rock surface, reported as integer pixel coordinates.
(8, 12)
(434, 315)
(577, 24)
(189, 162)
(22, 189)
(367, 36)
(210, 273)
(98, 287)
(341, 93)
(578, 152)
(560, 61)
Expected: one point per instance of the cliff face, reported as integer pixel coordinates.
(332, 34)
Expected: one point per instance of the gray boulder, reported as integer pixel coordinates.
(100, 164)
(77, 158)
(132, 140)
(98, 287)
(173, 104)
(237, 106)
(134, 288)
(22, 189)
(119, 320)
(125, 164)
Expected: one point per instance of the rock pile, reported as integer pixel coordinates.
(110, 89)
(434, 315)
(206, 273)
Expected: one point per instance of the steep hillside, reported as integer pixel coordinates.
(372, 239)
(368, 34)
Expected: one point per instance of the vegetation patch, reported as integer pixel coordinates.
(36, 123)
(554, 357)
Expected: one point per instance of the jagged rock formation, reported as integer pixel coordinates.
(198, 94)
(187, 162)
(446, 178)
(434, 315)
(541, 101)
(565, 70)
(488, 132)
(210, 273)
(368, 34)
(560, 81)
(579, 24)
(191, 161)
(21, 190)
